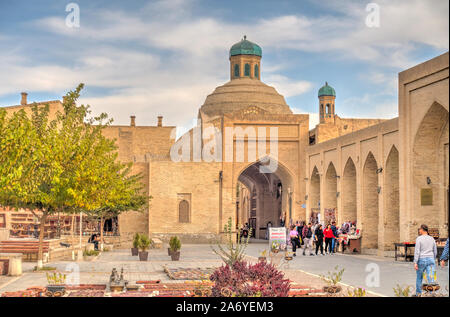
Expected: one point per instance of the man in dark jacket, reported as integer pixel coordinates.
(318, 237)
(307, 239)
(333, 241)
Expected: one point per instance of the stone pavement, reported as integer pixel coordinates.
(302, 269)
(358, 269)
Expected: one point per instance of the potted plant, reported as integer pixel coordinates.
(262, 256)
(144, 244)
(175, 246)
(135, 248)
(275, 247)
(56, 284)
(333, 279)
(288, 256)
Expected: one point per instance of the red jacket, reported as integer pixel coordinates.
(328, 233)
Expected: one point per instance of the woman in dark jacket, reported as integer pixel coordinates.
(318, 237)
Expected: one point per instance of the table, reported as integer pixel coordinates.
(353, 244)
(405, 246)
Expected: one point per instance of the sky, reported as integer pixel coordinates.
(150, 58)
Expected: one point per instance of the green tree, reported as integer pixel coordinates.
(63, 165)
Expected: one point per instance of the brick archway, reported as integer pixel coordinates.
(391, 200)
(330, 193)
(370, 210)
(349, 209)
(430, 170)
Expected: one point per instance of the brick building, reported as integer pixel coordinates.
(368, 170)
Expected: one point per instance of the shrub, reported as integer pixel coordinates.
(144, 242)
(232, 252)
(247, 280)
(175, 244)
(136, 239)
(402, 291)
(333, 278)
(91, 253)
(56, 278)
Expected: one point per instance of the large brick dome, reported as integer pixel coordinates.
(241, 93)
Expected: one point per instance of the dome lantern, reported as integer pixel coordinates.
(245, 60)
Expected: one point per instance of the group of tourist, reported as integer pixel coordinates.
(302, 234)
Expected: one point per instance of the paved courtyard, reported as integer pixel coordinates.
(302, 269)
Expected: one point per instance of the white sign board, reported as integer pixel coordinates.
(278, 235)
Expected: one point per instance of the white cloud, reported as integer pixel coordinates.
(313, 117)
(163, 59)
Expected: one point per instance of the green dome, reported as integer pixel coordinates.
(327, 91)
(245, 47)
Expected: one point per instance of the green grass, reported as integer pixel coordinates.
(91, 253)
(45, 268)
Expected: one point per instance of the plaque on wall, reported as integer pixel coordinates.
(426, 197)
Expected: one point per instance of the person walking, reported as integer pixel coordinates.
(318, 238)
(444, 257)
(295, 240)
(328, 234)
(424, 258)
(300, 226)
(336, 235)
(307, 239)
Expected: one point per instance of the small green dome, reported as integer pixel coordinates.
(327, 91)
(245, 47)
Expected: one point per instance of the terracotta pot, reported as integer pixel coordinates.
(175, 255)
(169, 251)
(134, 251)
(116, 288)
(143, 255)
(55, 290)
(332, 289)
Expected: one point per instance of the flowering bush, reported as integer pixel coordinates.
(247, 280)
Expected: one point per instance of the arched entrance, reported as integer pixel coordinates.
(314, 193)
(430, 171)
(349, 192)
(370, 204)
(330, 197)
(269, 195)
(391, 201)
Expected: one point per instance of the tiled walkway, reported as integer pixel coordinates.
(300, 269)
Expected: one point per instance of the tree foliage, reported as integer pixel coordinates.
(64, 164)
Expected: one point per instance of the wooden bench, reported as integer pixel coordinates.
(28, 248)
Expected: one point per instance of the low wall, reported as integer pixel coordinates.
(4, 234)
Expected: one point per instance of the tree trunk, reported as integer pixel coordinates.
(101, 233)
(41, 240)
(72, 242)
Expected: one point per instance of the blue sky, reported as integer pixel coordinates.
(150, 58)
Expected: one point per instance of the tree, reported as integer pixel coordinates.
(63, 164)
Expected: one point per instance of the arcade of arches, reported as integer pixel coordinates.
(393, 176)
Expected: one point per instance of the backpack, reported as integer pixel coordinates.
(308, 233)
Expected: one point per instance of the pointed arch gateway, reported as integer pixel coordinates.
(430, 170)
(391, 200)
(269, 198)
(330, 197)
(314, 191)
(349, 211)
(370, 208)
